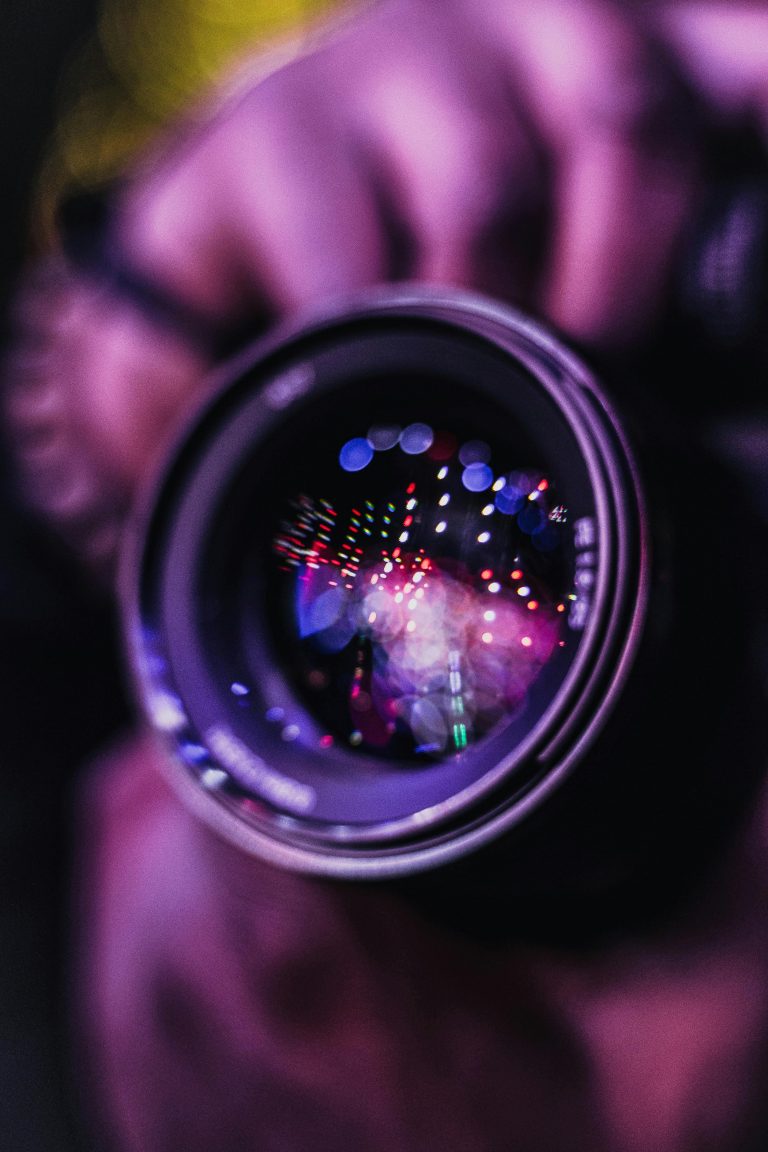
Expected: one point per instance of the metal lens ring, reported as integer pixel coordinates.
(389, 584)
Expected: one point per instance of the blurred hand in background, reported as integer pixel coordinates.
(549, 154)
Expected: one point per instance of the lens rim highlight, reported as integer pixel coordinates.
(433, 833)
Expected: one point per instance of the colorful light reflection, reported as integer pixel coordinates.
(424, 647)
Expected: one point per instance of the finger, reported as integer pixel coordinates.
(303, 213)
(619, 221)
(93, 391)
(268, 206)
(724, 49)
(614, 119)
(452, 153)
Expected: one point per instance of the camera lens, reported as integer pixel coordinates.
(389, 585)
(420, 578)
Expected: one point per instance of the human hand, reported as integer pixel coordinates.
(547, 154)
(302, 187)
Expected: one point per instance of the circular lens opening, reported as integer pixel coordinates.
(418, 576)
(377, 583)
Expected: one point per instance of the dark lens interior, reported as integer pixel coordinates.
(382, 563)
(420, 584)
(413, 547)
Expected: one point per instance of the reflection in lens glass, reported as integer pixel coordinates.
(416, 438)
(477, 477)
(474, 452)
(355, 455)
(383, 436)
(415, 624)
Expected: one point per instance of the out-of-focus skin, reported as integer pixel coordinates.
(547, 153)
(544, 153)
(224, 1004)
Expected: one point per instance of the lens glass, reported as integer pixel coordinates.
(420, 582)
(376, 564)
(415, 557)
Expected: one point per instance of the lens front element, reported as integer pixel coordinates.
(390, 585)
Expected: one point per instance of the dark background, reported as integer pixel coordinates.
(61, 696)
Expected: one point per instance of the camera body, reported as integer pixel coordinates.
(417, 600)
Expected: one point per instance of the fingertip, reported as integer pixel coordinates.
(619, 221)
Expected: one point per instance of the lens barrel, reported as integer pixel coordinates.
(405, 596)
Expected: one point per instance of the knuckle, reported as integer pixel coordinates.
(595, 70)
(642, 101)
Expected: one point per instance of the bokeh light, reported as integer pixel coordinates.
(388, 579)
